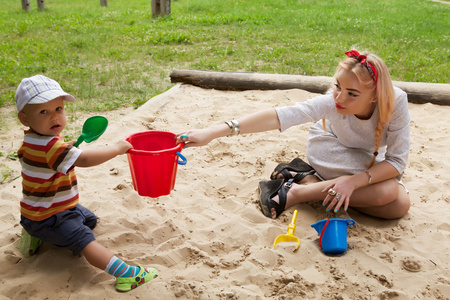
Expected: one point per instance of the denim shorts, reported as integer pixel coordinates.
(71, 228)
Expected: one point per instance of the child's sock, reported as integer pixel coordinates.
(118, 268)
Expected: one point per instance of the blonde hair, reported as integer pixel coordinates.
(382, 88)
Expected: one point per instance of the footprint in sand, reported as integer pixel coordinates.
(411, 265)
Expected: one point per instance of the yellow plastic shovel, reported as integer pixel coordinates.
(289, 236)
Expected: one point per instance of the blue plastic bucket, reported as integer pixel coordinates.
(333, 234)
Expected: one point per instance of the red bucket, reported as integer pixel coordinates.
(153, 162)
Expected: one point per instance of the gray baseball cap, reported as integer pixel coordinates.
(39, 89)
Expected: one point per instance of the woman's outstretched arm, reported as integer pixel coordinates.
(264, 120)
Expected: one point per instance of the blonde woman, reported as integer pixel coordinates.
(357, 150)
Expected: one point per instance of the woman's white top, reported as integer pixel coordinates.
(348, 143)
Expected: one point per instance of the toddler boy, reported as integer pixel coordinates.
(49, 208)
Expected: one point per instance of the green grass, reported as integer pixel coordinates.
(115, 56)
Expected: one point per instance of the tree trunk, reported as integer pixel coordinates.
(41, 4)
(160, 8)
(26, 5)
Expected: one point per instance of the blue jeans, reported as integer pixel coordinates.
(71, 228)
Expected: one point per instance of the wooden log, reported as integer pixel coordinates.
(422, 92)
(26, 5)
(103, 2)
(418, 92)
(238, 81)
(41, 4)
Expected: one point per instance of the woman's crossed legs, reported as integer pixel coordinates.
(387, 199)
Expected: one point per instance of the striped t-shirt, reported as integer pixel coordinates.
(49, 183)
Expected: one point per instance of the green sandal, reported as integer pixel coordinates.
(28, 245)
(130, 283)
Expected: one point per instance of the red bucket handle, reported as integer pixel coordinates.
(178, 147)
(323, 230)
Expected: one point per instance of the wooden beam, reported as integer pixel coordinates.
(418, 92)
(422, 92)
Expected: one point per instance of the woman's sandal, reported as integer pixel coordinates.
(125, 284)
(297, 165)
(268, 190)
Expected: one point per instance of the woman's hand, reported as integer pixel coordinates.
(197, 137)
(339, 193)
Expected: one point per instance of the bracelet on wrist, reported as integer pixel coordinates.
(237, 130)
(230, 124)
(234, 127)
(370, 176)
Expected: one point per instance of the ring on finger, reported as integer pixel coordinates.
(338, 196)
(331, 192)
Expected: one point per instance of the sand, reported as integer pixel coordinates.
(208, 238)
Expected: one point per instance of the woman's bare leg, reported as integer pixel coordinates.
(393, 210)
(385, 199)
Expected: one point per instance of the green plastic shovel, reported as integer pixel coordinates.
(93, 128)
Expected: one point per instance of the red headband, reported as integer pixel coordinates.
(363, 60)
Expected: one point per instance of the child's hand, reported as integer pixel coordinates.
(93, 157)
(72, 142)
(123, 146)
